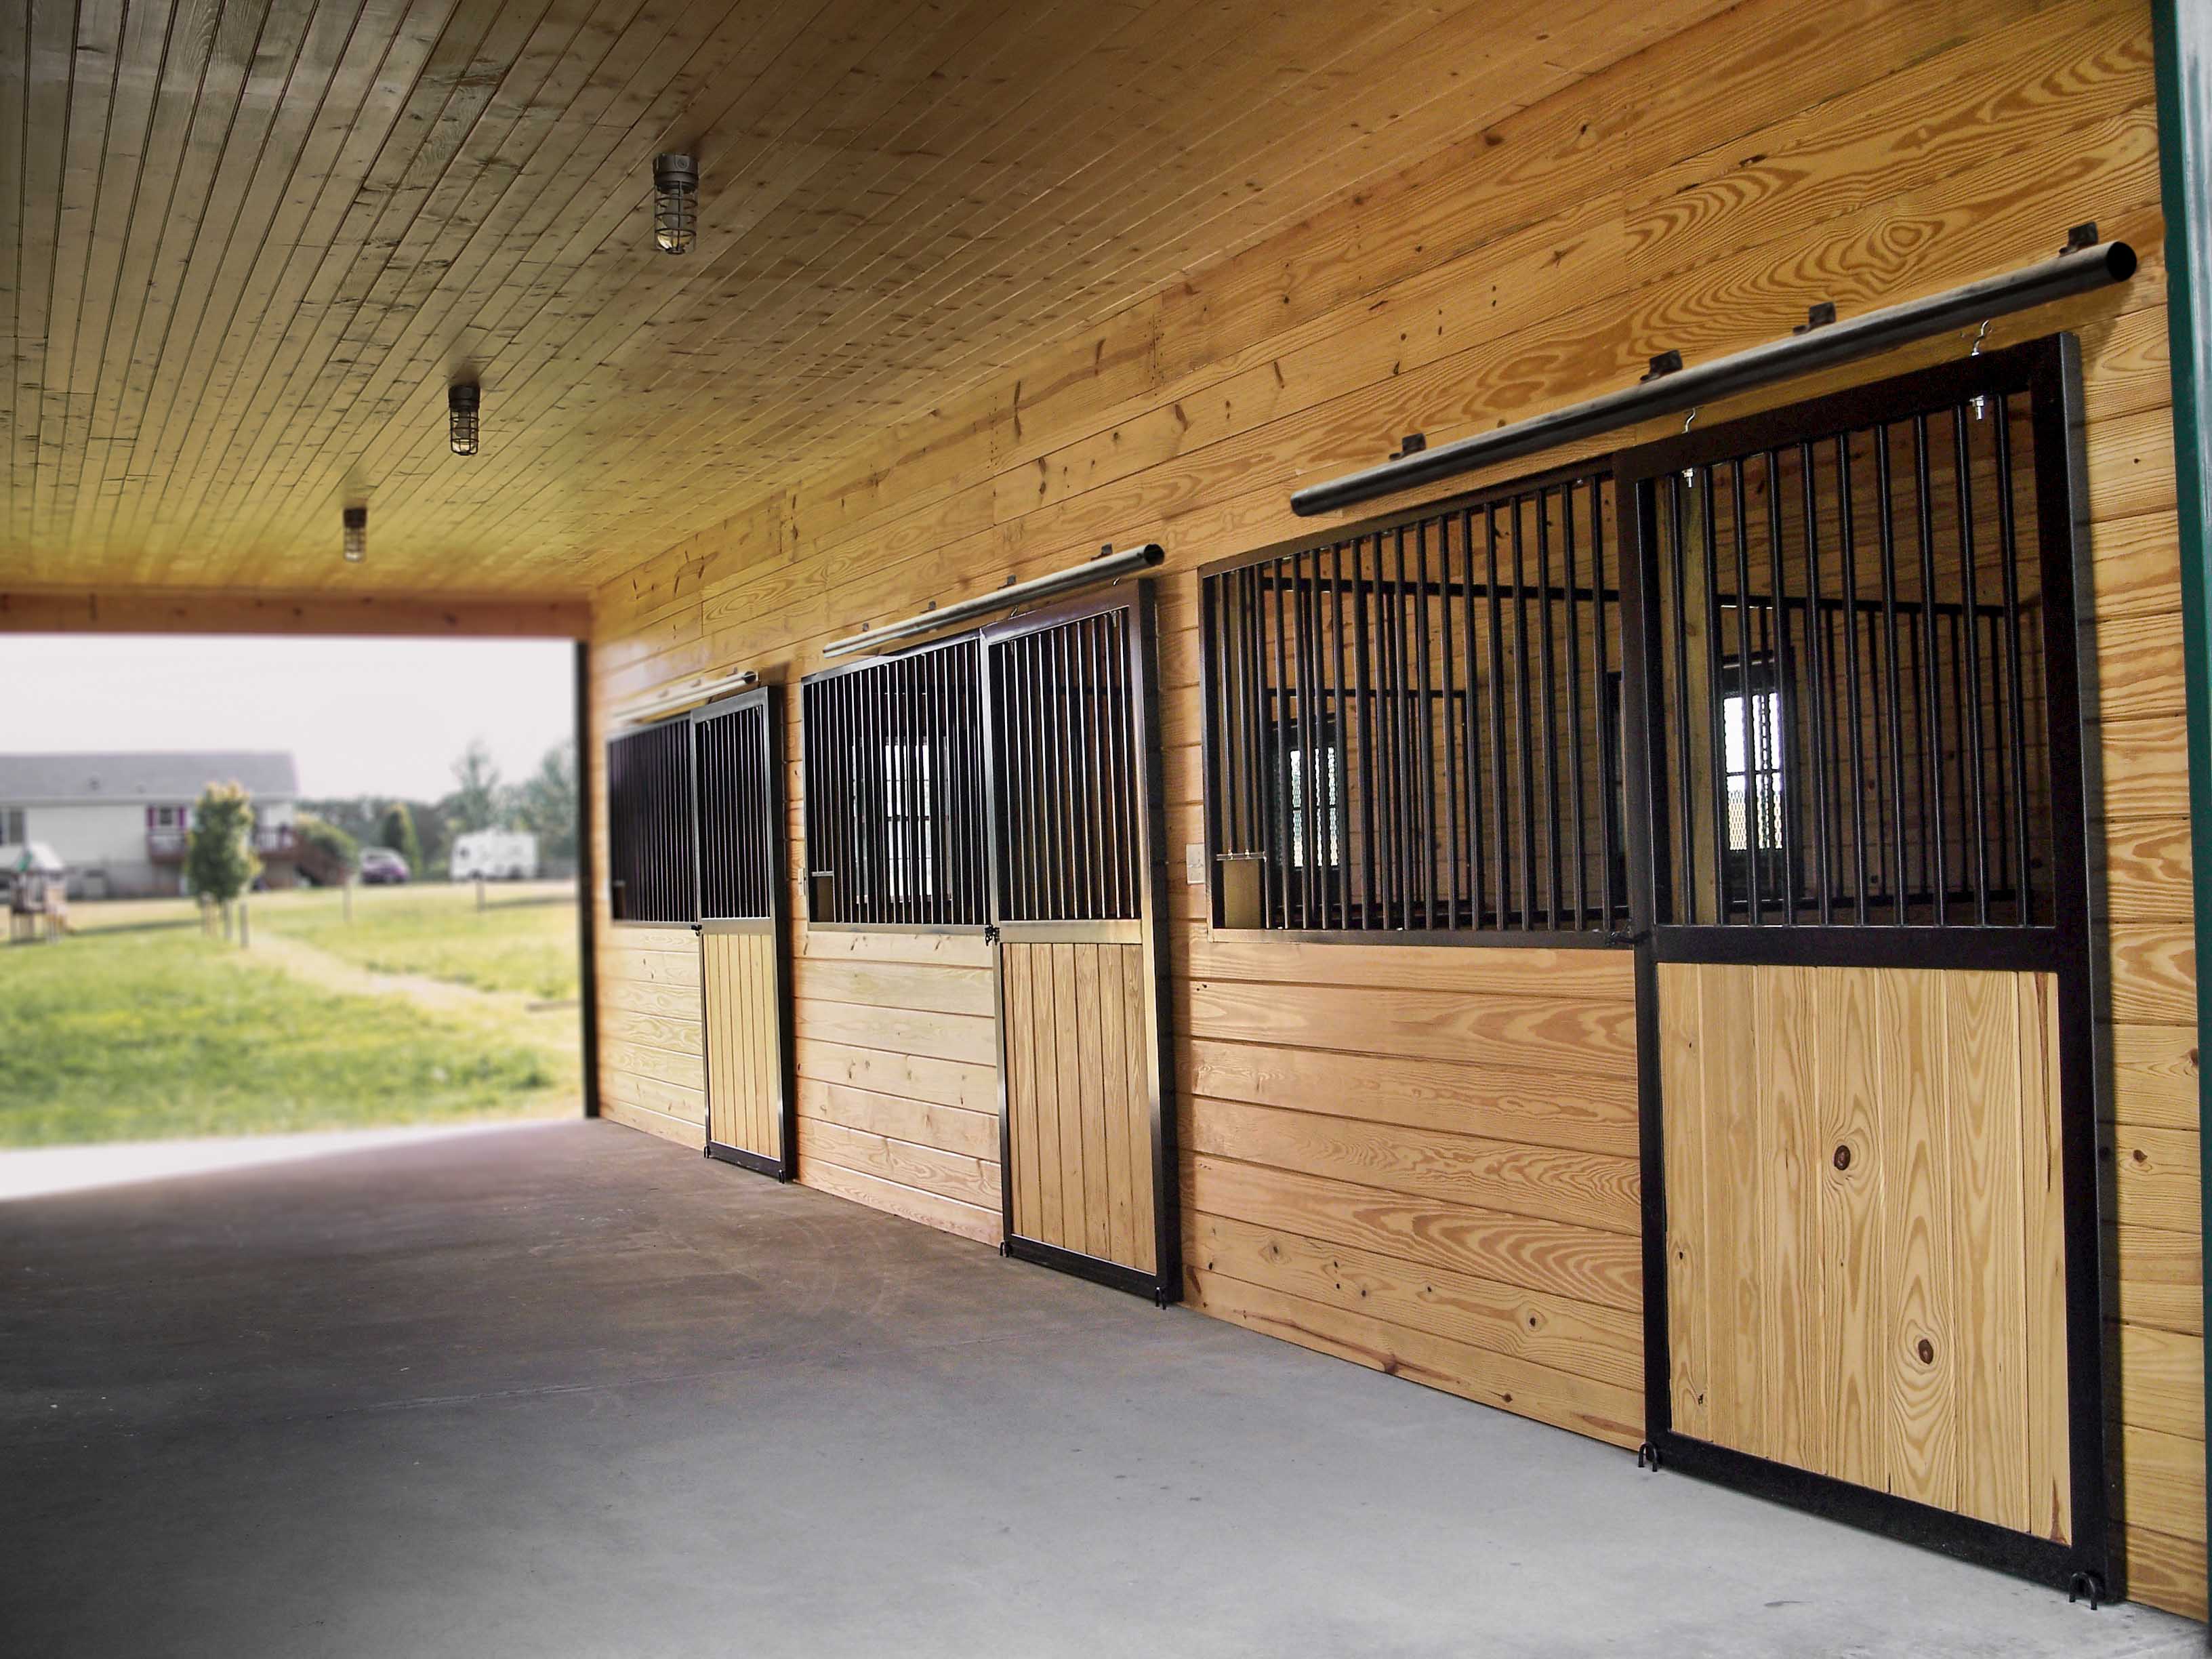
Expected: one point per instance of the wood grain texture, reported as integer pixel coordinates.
(744, 1041)
(1905, 1123)
(1079, 1114)
(1699, 190)
(255, 248)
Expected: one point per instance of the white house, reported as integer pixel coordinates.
(119, 821)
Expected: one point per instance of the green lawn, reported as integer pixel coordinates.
(525, 941)
(150, 1035)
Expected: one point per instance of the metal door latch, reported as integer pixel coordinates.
(990, 933)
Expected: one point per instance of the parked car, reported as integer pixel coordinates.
(495, 855)
(381, 866)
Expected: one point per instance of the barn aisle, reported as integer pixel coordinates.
(565, 1390)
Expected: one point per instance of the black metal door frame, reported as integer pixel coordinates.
(2048, 372)
(770, 845)
(1165, 1283)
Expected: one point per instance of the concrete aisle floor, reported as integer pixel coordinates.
(567, 1390)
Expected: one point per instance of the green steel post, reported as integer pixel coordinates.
(2182, 31)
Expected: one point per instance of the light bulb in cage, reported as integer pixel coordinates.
(462, 402)
(675, 202)
(356, 534)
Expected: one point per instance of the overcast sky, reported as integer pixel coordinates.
(363, 717)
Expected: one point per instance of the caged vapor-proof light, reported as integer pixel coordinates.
(675, 202)
(462, 402)
(356, 534)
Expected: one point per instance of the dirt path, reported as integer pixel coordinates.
(508, 1014)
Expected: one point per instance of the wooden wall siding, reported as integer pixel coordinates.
(1379, 1160)
(1079, 1097)
(253, 242)
(652, 1074)
(745, 1035)
(1865, 1246)
(897, 1061)
(1698, 194)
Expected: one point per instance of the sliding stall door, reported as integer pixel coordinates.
(742, 883)
(1870, 1095)
(1076, 892)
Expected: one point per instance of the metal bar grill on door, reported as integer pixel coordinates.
(650, 853)
(894, 778)
(1416, 726)
(1852, 727)
(739, 835)
(1069, 846)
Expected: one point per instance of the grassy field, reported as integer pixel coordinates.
(525, 941)
(138, 1027)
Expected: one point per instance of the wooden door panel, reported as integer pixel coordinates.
(1865, 1246)
(744, 1086)
(1078, 1109)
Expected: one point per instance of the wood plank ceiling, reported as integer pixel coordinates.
(251, 242)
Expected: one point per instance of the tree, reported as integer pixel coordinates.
(219, 858)
(396, 830)
(339, 854)
(544, 803)
(475, 803)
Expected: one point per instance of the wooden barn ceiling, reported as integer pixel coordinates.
(250, 242)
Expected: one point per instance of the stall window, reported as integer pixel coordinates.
(896, 832)
(1410, 724)
(651, 868)
(1848, 710)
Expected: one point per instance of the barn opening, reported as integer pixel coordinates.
(262, 887)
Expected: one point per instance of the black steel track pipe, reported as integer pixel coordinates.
(2077, 270)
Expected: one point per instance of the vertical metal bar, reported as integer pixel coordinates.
(1716, 706)
(1084, 687)
(1963, 478)
(1846, 506)
(1068, 752)
(1823, 771)
(1369, 773)
(1131, 899)
(1786, 677)
(1496, 698)
(2023, 877)
(1527, 777)
(1452, 723)
(1103, 791)
(1025, 675)
(1938, 855)
(966, 809)
(1340, 750)
(1893, 695)
(1309, 846)
(1691, 911)
(1604, 612)
(1401, 886)
(1280, 730)
(1424, 758)
(1470, 731)
(1575, 698)
(1548, 704)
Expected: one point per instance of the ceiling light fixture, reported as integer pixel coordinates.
(356, 534)
(462, 402)
(675, 202)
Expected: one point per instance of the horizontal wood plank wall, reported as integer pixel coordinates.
(1698, 194)
(1422, 1160)
(1866, 1257)
(897, 1069)
(653, 1073)
(744, 1082)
